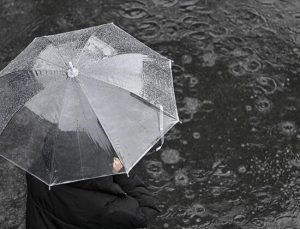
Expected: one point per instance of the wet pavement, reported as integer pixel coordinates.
(234, 163)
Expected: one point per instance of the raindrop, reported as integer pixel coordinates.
(263, 105)
(254, 121)
(196, 135)
(266, 1)
(189, 194)
(170, 28)
(288, 128)
(252, 65)
(209, 59)
(239, 219)
(200, 222)
(207, 106)
(246, 51)
(237, 69)
(258, 223)
(266, 84)
(188, 2)
(193, 81)
(216, 191)
(189, 20)
(149, 29)
(170, 156)
(191, 105)
(198, 209)
(133, 13)
(295, 162)
(248, 108)
(165, 3)
(199, 26)
(181, 178)
(198, 35)
(154, 168)
(186, 59)
(198, 175)
(242, 169)
(218, 30)
(236, 40)
(177, 70)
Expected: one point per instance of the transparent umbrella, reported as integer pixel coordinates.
(71, 102)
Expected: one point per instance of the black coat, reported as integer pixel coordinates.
(108, 202)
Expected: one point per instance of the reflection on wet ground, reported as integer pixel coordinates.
(235, 160)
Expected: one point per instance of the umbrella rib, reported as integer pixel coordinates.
(32, 70)
(44, 70)
(132, 94)
(79, 147)
(108, 136)
(98, 121)
(81, 51)
(52, 158)
(52, 63)
(77, 128)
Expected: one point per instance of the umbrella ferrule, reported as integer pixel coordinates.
(72, 72)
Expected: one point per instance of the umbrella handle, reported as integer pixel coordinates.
(161, 126)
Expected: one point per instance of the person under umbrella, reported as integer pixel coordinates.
(73, 106)
(110, 202)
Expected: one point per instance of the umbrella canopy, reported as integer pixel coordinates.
(71, 102)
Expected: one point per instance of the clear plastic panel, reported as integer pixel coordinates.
(82, 149)
(71, 44)
(17, 88)
(40, 54)
(29, 136)
(123, 42)
(148, 78)
(131, 124)
(57, 137)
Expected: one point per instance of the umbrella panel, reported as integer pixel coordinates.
(131, 123)
(68, 145)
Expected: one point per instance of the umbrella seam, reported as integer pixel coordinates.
(30, 70)
(79, 147)
(80, 152)
(98, 121)
(51, 63)
(52, 158)
(108, 136)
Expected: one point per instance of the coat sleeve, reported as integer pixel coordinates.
(135, 187)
